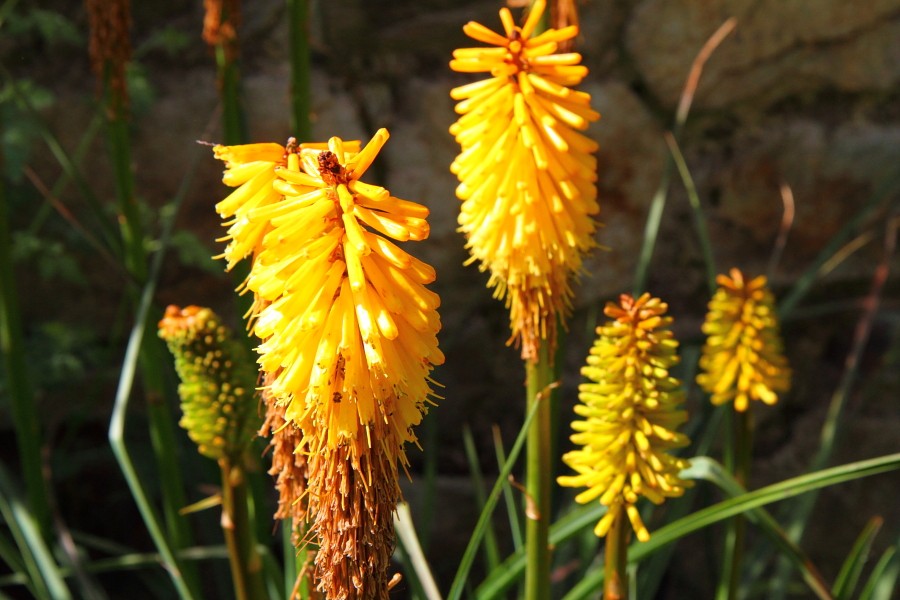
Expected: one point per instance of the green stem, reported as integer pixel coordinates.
(298, 31)
(742, 435)
(246, 563)
(233, 127)
(289, 554)
(615, 582)
(21, 395)
(538, 477)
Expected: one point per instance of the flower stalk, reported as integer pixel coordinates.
(615, 565)
(220, 24)
(538, 475)
(301, 98)
(743, 361)
(245, 561)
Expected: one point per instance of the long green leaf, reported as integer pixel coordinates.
(883, 580)
(851, 570)
(512, 511)
(709, 470)
(123, 396)
(406, 534)
(651, 228)
(510, 571)
(799, 512)
(709, 260)
(462, 573)
(44, 573)
(22, 404)
(491, 551)
(120, 450)
(789, 488)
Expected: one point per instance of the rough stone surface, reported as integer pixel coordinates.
(779, 49)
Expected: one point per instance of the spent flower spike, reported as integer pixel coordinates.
(743, 358)
(349, 333)
(630, 410)
(527, 175)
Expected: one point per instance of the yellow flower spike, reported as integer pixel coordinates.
(630, 414)
(349, 338)
(527, 177)
(743, 358)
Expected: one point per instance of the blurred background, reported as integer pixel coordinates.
(797, 109)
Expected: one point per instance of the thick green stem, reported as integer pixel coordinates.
(21, 396)
(615, 580)
(298, 30)
(301, 105)
(246, 563)
(742, 434)
(233, 128)
(538, 477)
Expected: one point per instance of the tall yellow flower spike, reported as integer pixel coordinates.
(349, 334)
(527, 176)
(630, 410)
(743, 358)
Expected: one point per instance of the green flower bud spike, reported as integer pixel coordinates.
(218, 381)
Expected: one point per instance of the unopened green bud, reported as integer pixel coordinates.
(218, 379)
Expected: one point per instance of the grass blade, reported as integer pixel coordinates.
(512, 511)
(800, 510)
(491, 552)
(510, 571)
(851, 570)
(42, 570)
(699, 218)
(116, 432)
(21, 395)
(658, 204)
(710, 470)
(406, 534)
(883, 580)
(462, 573)
(120, 450)
(783, 490)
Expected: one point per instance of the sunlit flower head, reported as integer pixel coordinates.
(527, 176)
(218, 381)
(743, 358)
(349, 332)
(630, 411)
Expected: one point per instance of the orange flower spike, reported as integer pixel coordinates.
(527, 175)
